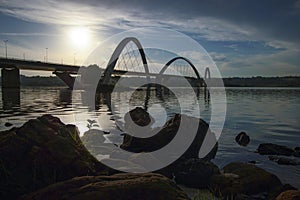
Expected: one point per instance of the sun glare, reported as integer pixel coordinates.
(79, 36)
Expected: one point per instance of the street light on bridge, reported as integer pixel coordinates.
(46, 58)
(5, 44)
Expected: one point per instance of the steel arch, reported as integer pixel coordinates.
(115, 56)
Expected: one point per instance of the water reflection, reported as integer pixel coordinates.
(266, 114)
(64, 98)
(11, 99)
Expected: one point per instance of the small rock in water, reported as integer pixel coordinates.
(7, 124)
(297, 152)
(242, 139)
(252, 162)
(274, 149)
(284, 161)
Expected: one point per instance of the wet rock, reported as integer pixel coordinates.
(7, 124)
(274, 149)
(139, 116)
(116, 187)
(195, 173)
(41, 152)
(167, 133)
(252, 162)
(242, 139)
(138, 122)
(93, 140)
(251, 181)
(289, 195)
(284, 161)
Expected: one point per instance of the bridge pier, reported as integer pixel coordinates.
(10, 88)
(10, 78)
(66, 78)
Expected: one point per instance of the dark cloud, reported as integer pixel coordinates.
(274, 19)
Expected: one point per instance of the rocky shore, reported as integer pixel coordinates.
(46, 159)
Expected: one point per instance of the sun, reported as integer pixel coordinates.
(79, 36)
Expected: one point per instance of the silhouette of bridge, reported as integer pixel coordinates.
(124, 60)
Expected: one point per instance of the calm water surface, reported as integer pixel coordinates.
(266, 114)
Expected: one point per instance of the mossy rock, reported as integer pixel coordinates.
(147, 186)
(195, 173)
(42, 152)
(242, 178)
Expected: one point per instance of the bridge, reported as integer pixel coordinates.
(118, 65)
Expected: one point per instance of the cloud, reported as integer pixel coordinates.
(273, 23)
(284, 62)
(297, 4)
(213, 21)
(218, 57)
(28, 34)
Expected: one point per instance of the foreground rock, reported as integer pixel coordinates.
(195, 173)
(274, 149)
(241, 179)
(242, 139)
(116, 187)
(188, 169)
(42, 152)
(164, 136)
(289, 195)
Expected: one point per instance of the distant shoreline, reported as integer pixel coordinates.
(258, 81)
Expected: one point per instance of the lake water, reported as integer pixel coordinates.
(265, 114)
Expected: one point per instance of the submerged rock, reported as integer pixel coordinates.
(250, 181)
(41, 152)
(116, 187)
(284, 161)
(274, 149)
(242, 139)
(8, 124)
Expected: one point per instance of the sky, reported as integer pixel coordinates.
(244, 38)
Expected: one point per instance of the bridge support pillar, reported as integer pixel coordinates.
(10, 78)
(10, 88)
(66, 78)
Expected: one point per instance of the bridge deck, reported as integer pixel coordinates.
(37, 65)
